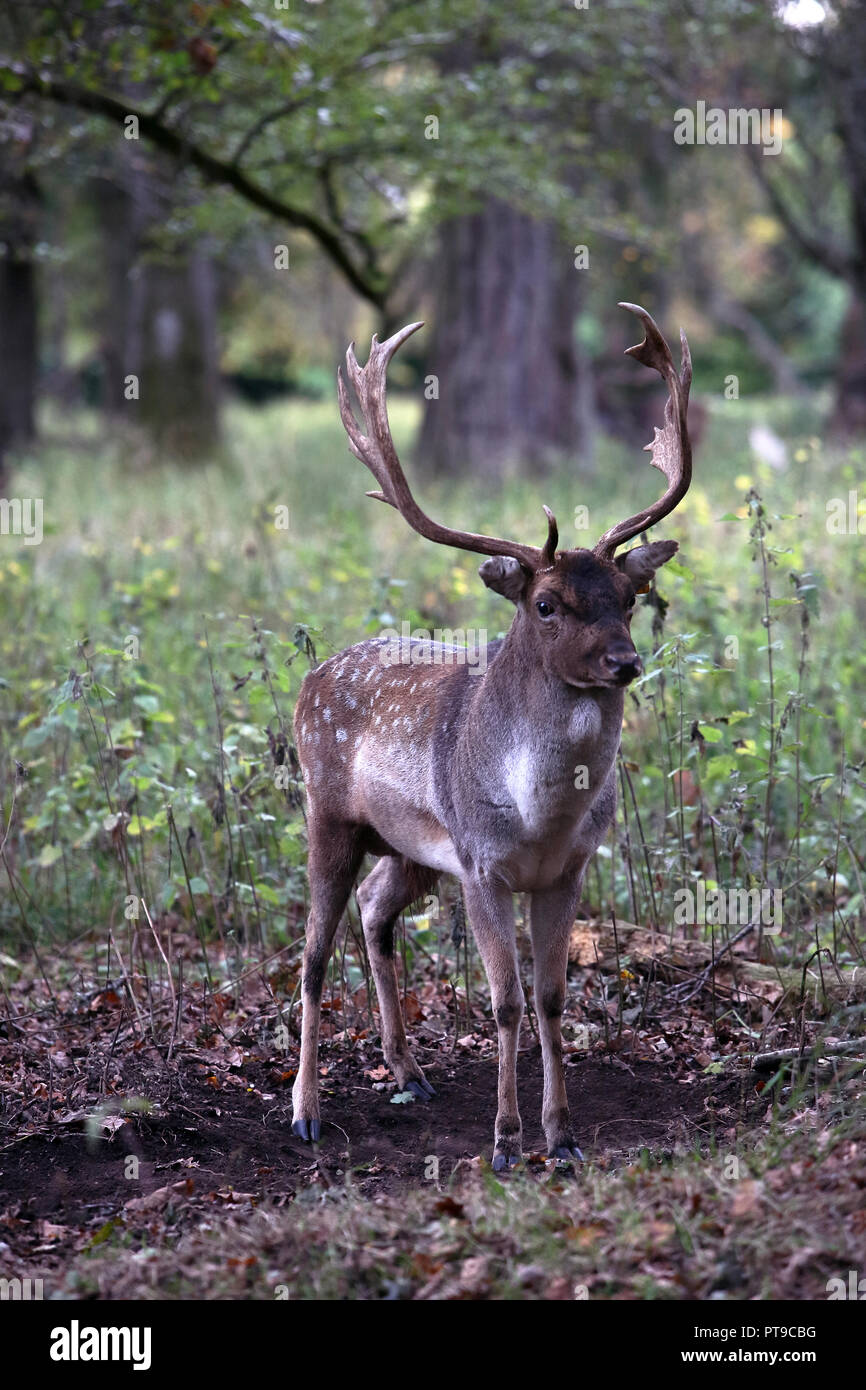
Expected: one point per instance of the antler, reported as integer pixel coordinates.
(376, 450)
(670, 448)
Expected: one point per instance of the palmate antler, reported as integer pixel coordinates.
(671, 450)
(670, 447)
(376, 450)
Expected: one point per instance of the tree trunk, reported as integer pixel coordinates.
(119, 221)
(159, 322)
(19, 212)
(849, 411)
(176, 359)
(503, 350)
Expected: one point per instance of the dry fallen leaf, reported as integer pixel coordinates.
(49, 1231)
(160, 1197)
(474, 1274)
(446, 1206)
(378, 1073)
(747, 1197)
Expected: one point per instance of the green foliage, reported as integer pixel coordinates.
(320, 117)
(156, 640)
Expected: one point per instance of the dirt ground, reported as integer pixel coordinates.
(121, 1130)
(231, 1133)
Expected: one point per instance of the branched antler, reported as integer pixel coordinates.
(376, 450)
(670, 448)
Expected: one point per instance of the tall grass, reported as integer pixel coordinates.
(153, 645)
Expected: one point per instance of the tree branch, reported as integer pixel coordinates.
(287, 109)
(370, 284)
(821, 250)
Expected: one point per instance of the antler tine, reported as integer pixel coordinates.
(548, 554)
(376, 450)
(670, 447)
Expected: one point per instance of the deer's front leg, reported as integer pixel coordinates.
(334, 859)
(491, 915)
(551, 916)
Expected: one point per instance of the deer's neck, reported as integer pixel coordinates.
(524, 694)
(535, 739)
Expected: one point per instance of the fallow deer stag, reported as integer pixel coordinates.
(438, 769)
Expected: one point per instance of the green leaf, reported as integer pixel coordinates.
(674, 567)
(403, 1098)
(147, 703)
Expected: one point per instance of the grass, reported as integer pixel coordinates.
(151, 654)
(743, 754)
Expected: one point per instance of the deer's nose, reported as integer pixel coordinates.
(622, 662)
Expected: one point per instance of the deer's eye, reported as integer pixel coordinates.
(544, 608)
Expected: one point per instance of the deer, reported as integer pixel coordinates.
(435, 768)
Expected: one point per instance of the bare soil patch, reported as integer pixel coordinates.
(225, 1138)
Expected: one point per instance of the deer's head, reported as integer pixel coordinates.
(574, 606)
(576, 613)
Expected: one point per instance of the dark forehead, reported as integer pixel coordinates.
(580, 574)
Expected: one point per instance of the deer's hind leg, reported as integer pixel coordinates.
(336, 851)
(385, 892)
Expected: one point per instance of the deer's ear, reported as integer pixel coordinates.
(641, 563)
(505, 575)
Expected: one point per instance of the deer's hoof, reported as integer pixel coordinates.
(562, 1151)
(503, 1162)
(310, 1133)
(421, 1088)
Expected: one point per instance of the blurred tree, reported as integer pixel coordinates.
(158, 330)
(355, 128)
(806, 62)
(20, 213)
(504, 352)
(503, 359)
(118, 227)
(828, 89)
